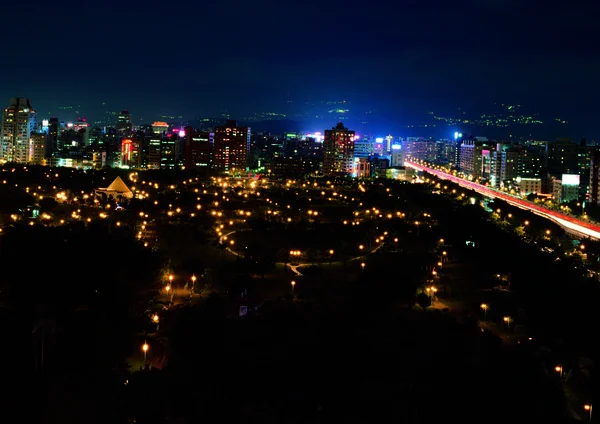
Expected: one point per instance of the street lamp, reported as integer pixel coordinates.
(559, 370)
(508, 320)
(588, 407)
(293, 283)
(362, 265)
(193, 282)
(145, 348)
(169, 291)
(331, 252)
(485, 308)
(155, 319)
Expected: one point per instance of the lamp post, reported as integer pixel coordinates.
(169, 293)
(588, 407)
(145, 348)
(156, 320)
(293, 283)
(507, 320)
(193, 283)
(559, 370)
(362, 266)
(485, 308)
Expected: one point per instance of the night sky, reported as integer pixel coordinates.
(198, 58)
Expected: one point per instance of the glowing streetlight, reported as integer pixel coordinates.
(434, 272)
(588, 407)
(508, 320)
(331, 252)
(559, 370)
(526, 222)
(444, 253)
(145, 348)
(156, 320)
(362, 265)
(547, 232)
(293, 283)
(171, 278)
(485, 308)
(361, 247)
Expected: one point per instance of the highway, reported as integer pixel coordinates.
(574, 226)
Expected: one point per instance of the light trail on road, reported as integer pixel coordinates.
(572, 225)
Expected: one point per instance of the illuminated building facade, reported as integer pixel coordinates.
(198, 148)
(154, 145)
(338, 147)
(37, 148)
(18, 122)
(168, 152)
(231, 147)
(397, 156)
(130, 153)
(160, 127)
(124, 124)
(362, 168)
(421, 149)
(470, 158)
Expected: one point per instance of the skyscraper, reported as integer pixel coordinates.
(338, 146)
(124, 124)
(232, 147)
(18, 122)
(198, 148)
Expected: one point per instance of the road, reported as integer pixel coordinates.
(574, 226)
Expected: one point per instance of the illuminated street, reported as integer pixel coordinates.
(575, 226)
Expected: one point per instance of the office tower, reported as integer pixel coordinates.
(124, 124)
(160, 127)
(130, 153)
(198, 148)
(471, 158)
(18, 122)
(338, 146)
(421, 149)
(82, 128)
(37, 148)
(397, 156)
(168, 152)
(363, 148)
(561, 157)
(389, 139)
(154, 145)
(231, 147)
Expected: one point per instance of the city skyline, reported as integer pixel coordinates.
(395, 59)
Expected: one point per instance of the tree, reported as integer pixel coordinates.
(423, 300)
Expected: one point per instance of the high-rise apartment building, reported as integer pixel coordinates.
(338, 146)
(470, 158)
(18, 122)
(37, 148)
(231, 147)
(594, 184)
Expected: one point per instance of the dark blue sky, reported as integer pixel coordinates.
(196, 58)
